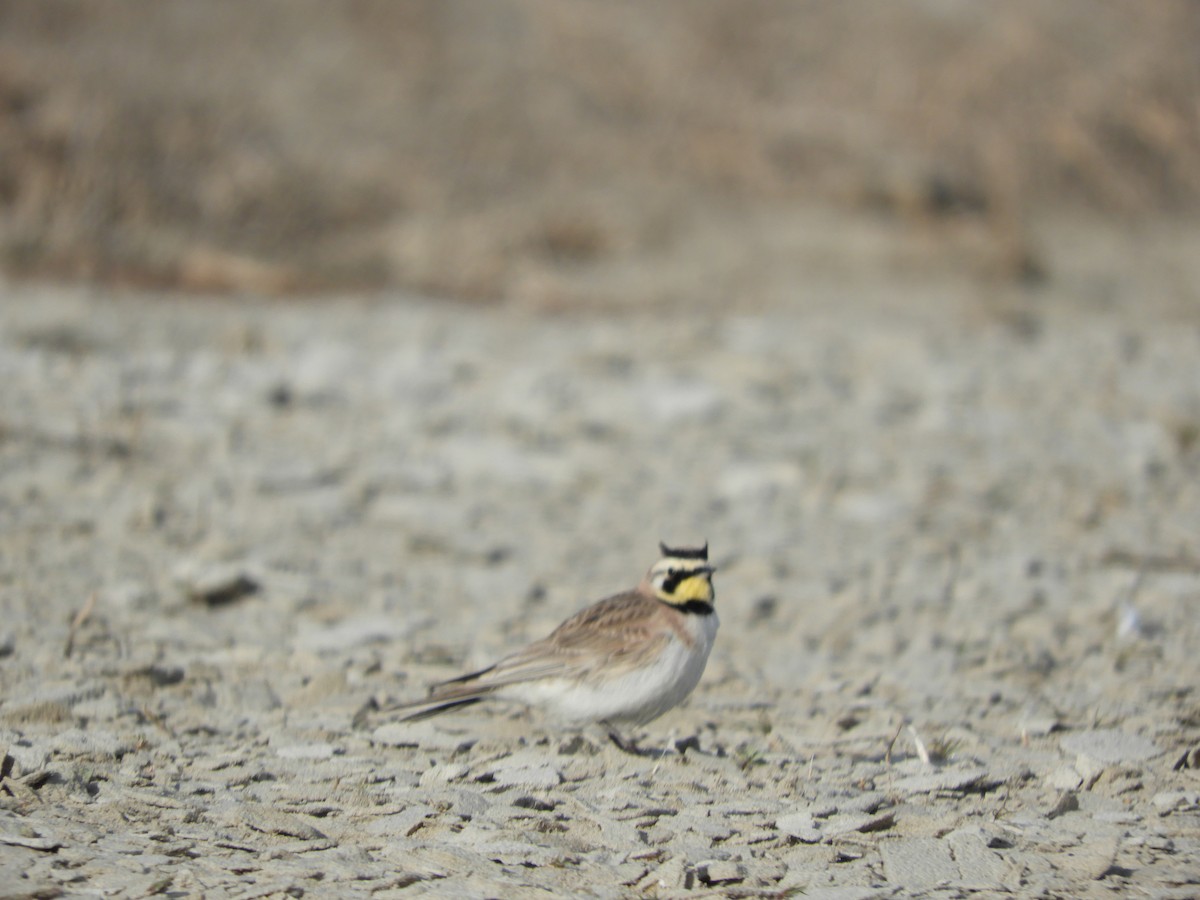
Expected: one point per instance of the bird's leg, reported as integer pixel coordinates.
(623, 743)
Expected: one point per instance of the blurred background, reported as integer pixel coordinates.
(564, 154)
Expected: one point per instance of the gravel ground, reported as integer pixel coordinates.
(958, 585)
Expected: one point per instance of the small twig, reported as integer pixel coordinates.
(887, 756)
(999, 811)
(1151, 562)
(76, 623)
(663, 753)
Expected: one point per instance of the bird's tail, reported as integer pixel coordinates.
(429, 708)
(443, 697)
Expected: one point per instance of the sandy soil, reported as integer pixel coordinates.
(959, 574)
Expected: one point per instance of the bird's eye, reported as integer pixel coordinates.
(671, 580)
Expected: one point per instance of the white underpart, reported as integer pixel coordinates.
(634, 697)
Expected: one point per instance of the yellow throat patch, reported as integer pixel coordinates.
(692, 587)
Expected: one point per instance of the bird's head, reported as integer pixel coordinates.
(682, 576)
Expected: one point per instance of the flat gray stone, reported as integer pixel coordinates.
(216, 584)
(528, 769)
(28, 758)
(810, 829)
(307, 751)
(1118, 817)
(415, 734)
(1110, 746)
(952, 779)
(1065, 778)
(720, 871)
(979, 866)
(269, 820)
(400, 824)
(800, 825)
(539, 776)
(1176, 801)
(29, 842)
(921, 862)
(444, 774)
(1039, 726)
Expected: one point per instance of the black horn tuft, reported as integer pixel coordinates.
(685, 552)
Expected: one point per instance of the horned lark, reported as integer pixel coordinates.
(624, 660)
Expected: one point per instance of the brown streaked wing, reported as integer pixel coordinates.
(621, 618)
(622, 631)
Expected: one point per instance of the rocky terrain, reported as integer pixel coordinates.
(956, 533)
